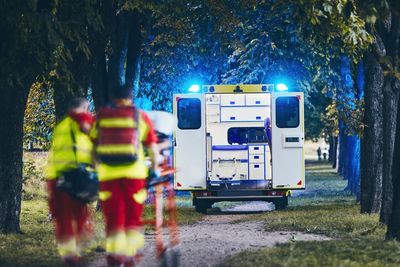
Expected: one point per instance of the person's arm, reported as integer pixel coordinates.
(267, 127)
(154, 155)
(150, 142)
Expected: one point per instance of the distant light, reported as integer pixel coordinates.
(281, 87)
(195, 88)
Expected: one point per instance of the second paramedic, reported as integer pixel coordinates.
(71, 216)
(121, 135)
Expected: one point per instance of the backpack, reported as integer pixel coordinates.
(118, 141)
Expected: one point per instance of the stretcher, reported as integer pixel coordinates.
(162, 197)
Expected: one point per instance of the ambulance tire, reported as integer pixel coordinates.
(281, 204)
(201, 207)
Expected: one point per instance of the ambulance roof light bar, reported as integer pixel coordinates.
(195, 88)
(281, 87)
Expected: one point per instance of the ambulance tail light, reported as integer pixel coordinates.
(280, 193)
(202, 194)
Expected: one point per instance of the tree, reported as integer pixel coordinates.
(370, 28)
(24, 60)
(38, 41)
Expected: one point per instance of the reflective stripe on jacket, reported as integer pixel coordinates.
(62, 156)
(121, 119)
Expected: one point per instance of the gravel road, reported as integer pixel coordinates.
(209, 241)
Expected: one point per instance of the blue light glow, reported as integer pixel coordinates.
(195, 88)
(281, 87)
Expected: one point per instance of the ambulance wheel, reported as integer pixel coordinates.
(201, 208)
(280, 207)
(281, 204)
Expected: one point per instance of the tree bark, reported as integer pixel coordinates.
(132, 76)
(390, 103)
(71, 82)
(372, 143)
(391, 39)
(342, 149)
(393, 230)
(62, 95)
(11, 135)
(99, 81)
(335, 152)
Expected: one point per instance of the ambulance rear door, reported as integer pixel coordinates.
(189, 142)
(287, 123)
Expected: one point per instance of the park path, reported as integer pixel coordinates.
(219, 234)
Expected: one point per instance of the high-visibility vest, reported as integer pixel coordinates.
(62, 156)
(131, 130)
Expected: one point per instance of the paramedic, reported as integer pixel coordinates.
(267, 127)
(319, 151)
(122, 132)
(71, 217)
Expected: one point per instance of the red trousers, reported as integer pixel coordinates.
(121, 208)
(71, 217)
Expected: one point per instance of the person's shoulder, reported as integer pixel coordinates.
(144, 115)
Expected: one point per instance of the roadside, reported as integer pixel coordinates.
(357, 240)
(219, 234)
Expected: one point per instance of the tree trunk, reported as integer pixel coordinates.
(390, 103)
(342, 149)
(99, 78)
(334, 152)
(71, 82)
(353, 164)
(11, 135)
(372, 143)
(132, 76)
(331, 145)
(124, 63)
(391, 38)
(393, 230)
(62, 95)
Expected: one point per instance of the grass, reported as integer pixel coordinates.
(326, 209)
(36, 246)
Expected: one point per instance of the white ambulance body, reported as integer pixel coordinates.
(221, 150)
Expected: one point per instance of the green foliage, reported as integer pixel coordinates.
(316, 116)
(335, 23)
(39, 117)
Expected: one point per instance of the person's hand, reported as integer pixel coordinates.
(153, 173)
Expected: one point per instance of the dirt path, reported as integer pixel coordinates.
(209, 241)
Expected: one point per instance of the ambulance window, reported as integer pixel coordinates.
(245, 135)
(189, 113)
(287, 112)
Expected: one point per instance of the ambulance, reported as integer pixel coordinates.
(221, 148)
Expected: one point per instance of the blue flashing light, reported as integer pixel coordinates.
(281, 87)
(195, 88)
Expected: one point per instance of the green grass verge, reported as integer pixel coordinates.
(36, 245)
(351, 253)
(325, 208)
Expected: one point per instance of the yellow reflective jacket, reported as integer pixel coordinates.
(62, 156)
